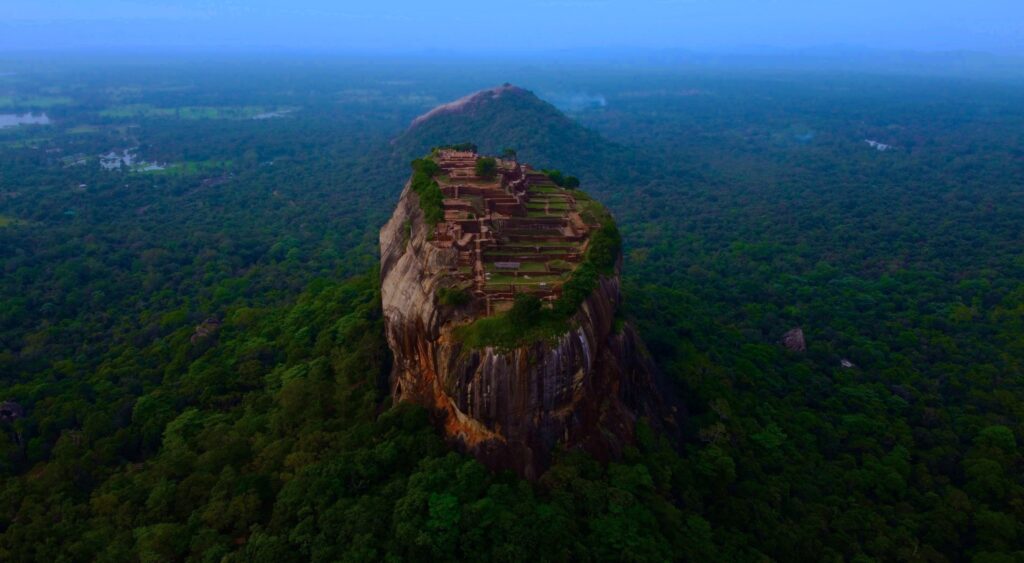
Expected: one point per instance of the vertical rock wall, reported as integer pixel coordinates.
(510, 408)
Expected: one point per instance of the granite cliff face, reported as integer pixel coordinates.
(509, 407)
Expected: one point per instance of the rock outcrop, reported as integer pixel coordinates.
(469, 103)
(208, 328)
(11, 412)
(510, 407)
(794, 340)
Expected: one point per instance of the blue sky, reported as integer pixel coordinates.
(514, 26)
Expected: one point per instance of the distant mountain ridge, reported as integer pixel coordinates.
(469, 103)
(508, 116)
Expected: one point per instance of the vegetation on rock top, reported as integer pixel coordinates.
(430, 196)
(529, 320)
(486, 167)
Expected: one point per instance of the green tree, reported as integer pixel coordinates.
(526, 310)
(486, 167)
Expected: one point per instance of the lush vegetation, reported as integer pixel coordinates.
(540, 133)
(453, 296)
(561, 180)
(486, 167)
(202, 377)
(430, 196)
(293, 460)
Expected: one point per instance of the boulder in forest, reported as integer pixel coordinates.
(11, 411)
(794, 341)
(208, 328)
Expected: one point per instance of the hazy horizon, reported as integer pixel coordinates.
(527, 27)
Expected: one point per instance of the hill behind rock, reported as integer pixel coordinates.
(512, 117)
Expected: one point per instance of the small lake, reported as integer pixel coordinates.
(15, 119)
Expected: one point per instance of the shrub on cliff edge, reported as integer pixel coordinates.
(452, 296)
(431, 198)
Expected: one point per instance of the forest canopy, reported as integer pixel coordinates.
(192, 363)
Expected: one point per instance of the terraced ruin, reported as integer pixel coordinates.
(501, 292)
(517, 232)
